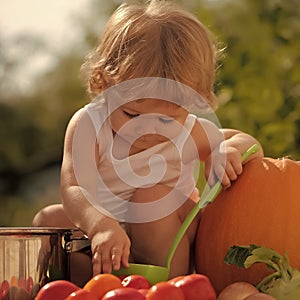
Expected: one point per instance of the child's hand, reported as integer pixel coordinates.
(224, 166)
(110, 249)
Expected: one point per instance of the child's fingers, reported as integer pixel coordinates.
(125, 256)
(102, 263)
(231, 172)
(237, 166)
(226, 182)
(116, 254)
(96, 264)
(106, 262)
(222, 176)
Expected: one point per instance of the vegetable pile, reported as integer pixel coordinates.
(132, 287)
(282, 284)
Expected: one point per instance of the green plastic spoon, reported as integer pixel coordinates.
(156, 274)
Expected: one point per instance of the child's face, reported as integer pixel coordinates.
(148, 122)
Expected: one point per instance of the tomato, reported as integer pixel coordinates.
(237, 291)
(82, 294)
(143, 291)
(100, 284)
(127, 293)
(136, 281)
(175, 279)
(165, 291)
(4, 288)
(58, 290)
(195, 287)
(29, 284)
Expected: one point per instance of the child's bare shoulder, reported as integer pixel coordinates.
(205, 126)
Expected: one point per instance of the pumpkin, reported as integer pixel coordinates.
(262, 207)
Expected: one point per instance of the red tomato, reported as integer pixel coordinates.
(29, 284)
(143, 291)
(123, 294)
(58, 290)
(165, 291)
(175, 279)
(196, 287)
(81, 294)
(136, 281)
(4, 288)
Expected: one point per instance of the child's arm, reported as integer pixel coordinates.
(242, 142)
(110, 243)
(234, 145)
(221, 150)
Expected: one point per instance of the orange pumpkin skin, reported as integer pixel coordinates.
(262, 207)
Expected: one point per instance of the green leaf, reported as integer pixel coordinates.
(237, 255)
(263, 255)
(246, 256)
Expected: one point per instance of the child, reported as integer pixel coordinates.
(127, 178)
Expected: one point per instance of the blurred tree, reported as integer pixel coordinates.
(32, 125)
(33, 120)
(259, 81)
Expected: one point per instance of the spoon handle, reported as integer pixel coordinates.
(205, 199)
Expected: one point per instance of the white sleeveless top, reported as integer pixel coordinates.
(121, 177)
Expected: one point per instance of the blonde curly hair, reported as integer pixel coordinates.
(156, 39)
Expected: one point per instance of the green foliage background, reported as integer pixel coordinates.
(258, 83)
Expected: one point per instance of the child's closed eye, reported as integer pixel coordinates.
(129, 115)
(162, 119)
(166, 120)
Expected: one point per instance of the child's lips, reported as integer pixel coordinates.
(151, 139)
(146, 142)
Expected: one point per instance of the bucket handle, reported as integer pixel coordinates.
(75, 244)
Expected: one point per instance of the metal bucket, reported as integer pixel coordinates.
(32, 256)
